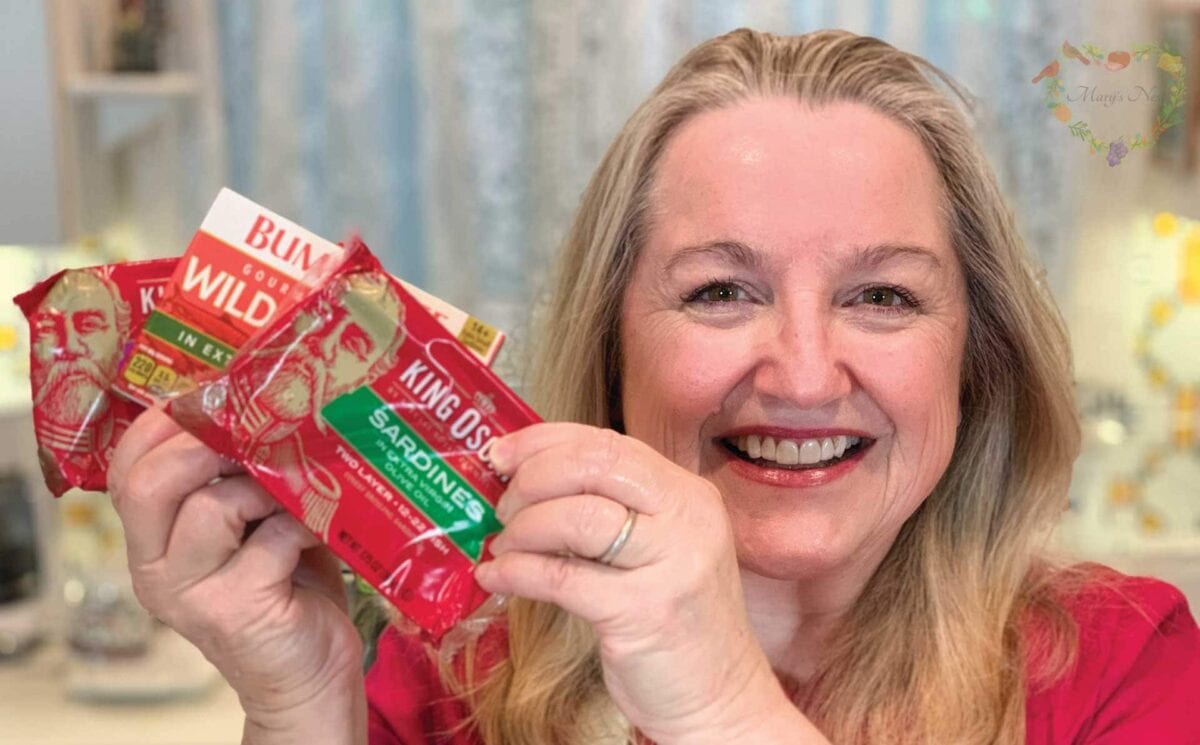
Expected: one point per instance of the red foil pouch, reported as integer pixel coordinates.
(237, 274)
(243, 267)
(81, 322)
(368, 420)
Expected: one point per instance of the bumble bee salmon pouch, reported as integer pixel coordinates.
(243, 267)
(237, 274)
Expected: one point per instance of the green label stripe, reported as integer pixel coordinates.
(403, 457)
(187, 339)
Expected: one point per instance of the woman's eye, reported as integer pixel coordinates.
(881, 296)
(717, 292)
(888, 297)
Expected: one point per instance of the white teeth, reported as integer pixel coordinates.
(792, 452)
(810, 452)
(787, 453)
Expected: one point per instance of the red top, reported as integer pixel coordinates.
(1137, 678)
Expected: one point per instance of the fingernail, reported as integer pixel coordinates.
(502, 510)
(500, 453)
(483, 571)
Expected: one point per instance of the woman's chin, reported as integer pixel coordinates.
(788, 560)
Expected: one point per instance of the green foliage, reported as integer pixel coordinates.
(368, 616)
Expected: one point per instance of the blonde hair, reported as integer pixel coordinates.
(933, 649)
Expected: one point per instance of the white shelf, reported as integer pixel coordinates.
(132, 85)
(37, 706)
(145, 150)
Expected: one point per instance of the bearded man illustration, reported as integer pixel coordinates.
(348, 340)
(77, 334)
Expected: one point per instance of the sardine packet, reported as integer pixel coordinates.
(368, 420)
(81, 322)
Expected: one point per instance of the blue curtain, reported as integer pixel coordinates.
(320, 104)
(458, 135)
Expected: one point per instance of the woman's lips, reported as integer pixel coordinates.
(791, 476)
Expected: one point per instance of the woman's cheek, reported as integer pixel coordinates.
(698, 368)
(914, 380)
(919, 364)
(675, 379)
(710, 358)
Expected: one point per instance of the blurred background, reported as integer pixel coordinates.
(456, 136)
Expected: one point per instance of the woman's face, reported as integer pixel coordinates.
(798, 284)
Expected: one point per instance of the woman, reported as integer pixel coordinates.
(846, 413)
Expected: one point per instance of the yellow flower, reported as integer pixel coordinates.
(1161, 312)
(1151, 523)
(1185, 400)
(1164, 224)
(1189, 267)
(1170, 64)
(1191, 239)
(1121, 493)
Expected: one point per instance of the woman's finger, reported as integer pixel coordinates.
(150, 494)
(149, 497)
(594, 592)
(512, 449)
(596, 462)
(151, 428)
(320, 570)
(211, 525)
(270, 554)
(583, 525)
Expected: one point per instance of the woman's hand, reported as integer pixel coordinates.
(220, 562)
(679, 657)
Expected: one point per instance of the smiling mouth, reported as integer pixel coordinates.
(766, 452)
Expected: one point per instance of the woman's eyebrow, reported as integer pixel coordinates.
(733, 252)
(857, 259)
(865, 258)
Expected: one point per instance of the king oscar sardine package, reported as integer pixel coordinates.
(242, 268)
(370, 421)
(80, 324)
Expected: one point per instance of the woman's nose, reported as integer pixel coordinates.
(802, 361)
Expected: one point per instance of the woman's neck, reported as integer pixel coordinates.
(793, 619)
